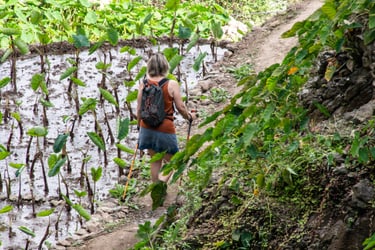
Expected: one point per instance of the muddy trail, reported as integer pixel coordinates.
(115, 226)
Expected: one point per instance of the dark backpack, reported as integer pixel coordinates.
(152, 105)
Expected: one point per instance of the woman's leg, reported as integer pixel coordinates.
(155, 167)
(165, 178)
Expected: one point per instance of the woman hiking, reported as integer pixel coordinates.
(163, 137)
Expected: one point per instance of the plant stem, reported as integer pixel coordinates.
(13, 70)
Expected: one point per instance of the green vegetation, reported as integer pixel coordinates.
(261, 142)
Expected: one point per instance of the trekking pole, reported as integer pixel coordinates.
(189, 129)
(129, 174)
(190, 123)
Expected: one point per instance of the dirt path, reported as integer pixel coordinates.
(261, 48)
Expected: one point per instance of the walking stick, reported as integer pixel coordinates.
(129, 174)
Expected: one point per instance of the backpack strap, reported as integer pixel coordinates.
(162, 81)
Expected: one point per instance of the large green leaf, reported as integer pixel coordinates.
(97, 140)
(82, 212)
(21, 46)
(371, 20)
(174, 62)
(157, 157)
(88, 104)
(292, 32)
(4, 82)
(198, 61)
(36, 80)
(108, 96)
(216, 29)
(132, 96)
(369, 36)
(329, 9)
(122, 128)
(56, 167)
(80, 41)
(112, 35)
(134, 62)
(91, 17)
(27, 231)
(141, 73)
(6, 209)
(96, 173)
(6, 54)
(37, 131)
(68, 72)
(78, 82)
(60, 142)
(158, 194)
(124, 148)
(45, 213)
(3, 152)
(193, 41)
(184, 32)
(172, 4)
(120, 162)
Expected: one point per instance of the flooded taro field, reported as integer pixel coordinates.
(59, 141)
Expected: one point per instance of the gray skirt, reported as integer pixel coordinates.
(157, 141)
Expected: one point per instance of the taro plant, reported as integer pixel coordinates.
(16, 116)
(36, 132)
(122, 132)
(173, 6)
(99, 142)
(38, 82)
(20, 167)
(217, 34)
(16, 44)
(111, 99)
(96, 137)
(147, 233)
(5, 210)
(78, 208)
(96, 174)
(80, 195)
(55, 162)
(28, 232)
(132, 61)
(45, 213)
(4, 153)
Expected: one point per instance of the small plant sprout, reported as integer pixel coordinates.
(4, 153)
(96, 174)
(28, 232)
(80, 195)
(5, 210)
(99, 142)
(132, 61)
(20, 167)
(111, 99)
(36, 132)
(13, 33)
(78, 208)
(60, 146)
(122, 132)
(46, 233)
(55, 162)
(96, 137)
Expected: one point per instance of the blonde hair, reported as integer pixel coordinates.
(157, 65)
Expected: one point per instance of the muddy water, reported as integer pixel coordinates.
(78, 147)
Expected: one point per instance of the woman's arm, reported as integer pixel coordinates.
(174, 91)
(139, 100)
